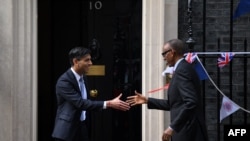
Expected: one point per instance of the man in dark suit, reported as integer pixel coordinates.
(72, 101)
(184, 99)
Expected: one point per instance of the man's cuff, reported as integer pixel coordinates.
(105, 105)
(170, 128)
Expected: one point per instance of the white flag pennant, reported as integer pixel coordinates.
(168, 70)
(227, 108)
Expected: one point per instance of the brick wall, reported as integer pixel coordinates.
(211, 24)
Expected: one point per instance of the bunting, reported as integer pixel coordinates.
(225, 58)
(167, 70)
(227, 108)
(158, 89)
(242, 8)
(190, 57)
(200, 71)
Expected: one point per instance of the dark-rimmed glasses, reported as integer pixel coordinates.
(165, 52)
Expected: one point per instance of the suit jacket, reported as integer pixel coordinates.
(70, 105)
(185, 105)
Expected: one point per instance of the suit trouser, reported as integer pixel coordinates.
(81, 134)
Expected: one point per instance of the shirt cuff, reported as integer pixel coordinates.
(105, 105)
(171, 128)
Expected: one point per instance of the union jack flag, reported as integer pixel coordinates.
(225, 58)
(190, 57)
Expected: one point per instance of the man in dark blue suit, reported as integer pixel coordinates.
(72, 101)
(184, 98)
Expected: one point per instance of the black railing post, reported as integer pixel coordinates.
(190, 41)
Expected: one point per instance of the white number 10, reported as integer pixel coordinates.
(97, 5)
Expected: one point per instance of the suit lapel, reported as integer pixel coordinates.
(72, 78)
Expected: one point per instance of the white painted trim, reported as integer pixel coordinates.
(159, 24)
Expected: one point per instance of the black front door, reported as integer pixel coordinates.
(112, 30)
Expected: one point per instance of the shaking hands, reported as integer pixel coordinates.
(136, 99)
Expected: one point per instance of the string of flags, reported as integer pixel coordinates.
(228, 107)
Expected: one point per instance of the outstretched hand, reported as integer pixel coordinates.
(136, 99)
(118, 104)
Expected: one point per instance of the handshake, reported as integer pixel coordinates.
(118, 104)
